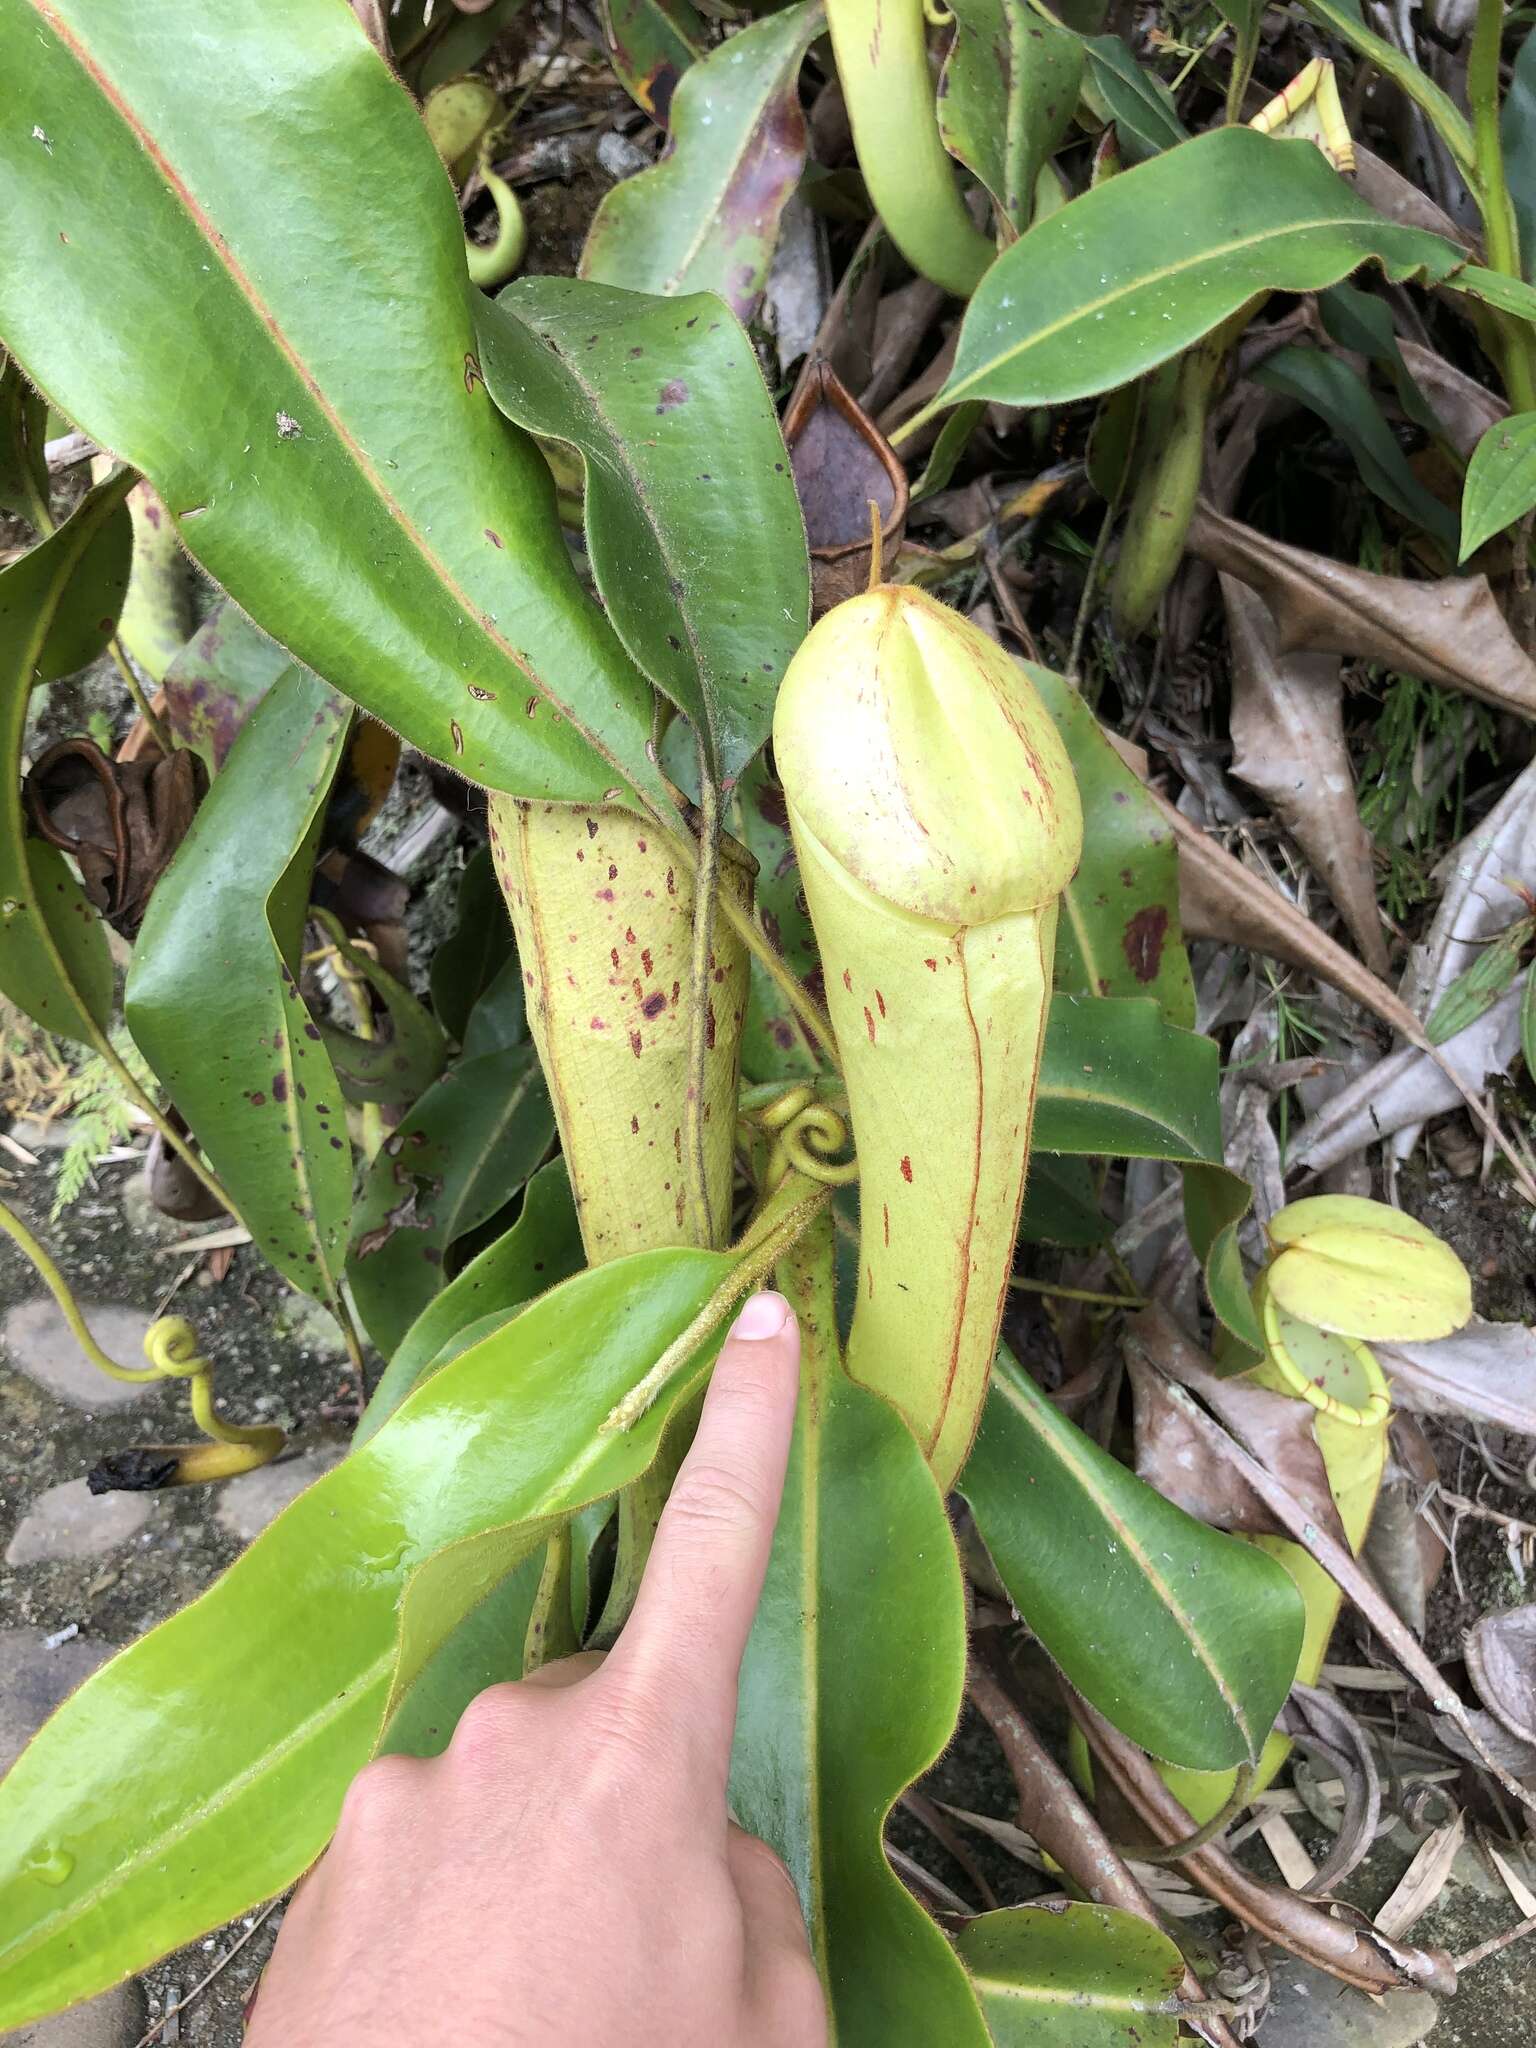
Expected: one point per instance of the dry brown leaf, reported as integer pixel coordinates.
(1465, 408)
(1403, 1550)
(1171, 1456)
(1501, 1656)
(1053, 1812)
(1481, 875)
(1352, 1953)
(1335, 1559)
(1423, 1881)
(1487, 1370)
(1411, 1085)
(1449, 631)
(1288, 743)
(1392, 194)
(843, 465)
(1220, 899)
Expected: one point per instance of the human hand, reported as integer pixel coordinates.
(566, 1874)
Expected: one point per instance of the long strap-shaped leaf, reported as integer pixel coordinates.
(683, 454)
(229, 252)
(213, 998)
(1189, 1643)
(202, 1769)
(1139, 268)
(58, 605)
(850, 1687)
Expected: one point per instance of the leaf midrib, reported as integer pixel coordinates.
(1093, 308)
(181, 193)
(1086, 1479)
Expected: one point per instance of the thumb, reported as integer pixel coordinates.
(696, 1603)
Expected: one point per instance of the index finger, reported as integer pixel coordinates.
(694, 1611)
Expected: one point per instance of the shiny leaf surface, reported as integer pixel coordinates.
(120, 1843)
(541, 1248)
(333, 458)
(1007, 97)
(1134, 271)
(1119, 933)
(1116, 1078)
(1501, 481)
(1073, 1976)
(863, 1601)
(683, 455)
(58, 604)
(1189, 1643)
(212, 1000)
(706, 218)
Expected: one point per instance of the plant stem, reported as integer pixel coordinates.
(706, 890)
(1243, 56)
(141, 703)
(163, 1124)
(1491, 191)
(48, 1272)
(1076, 1293)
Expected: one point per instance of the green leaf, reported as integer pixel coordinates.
(1007, 96)
(1116, 1078)
(542, 1248)
(1501, 481)
(1135, 271)
(268, 1693)
(476, 950)
(213, 1001)
(666, 403)
(1480, 986)
(1215, 1202)
(1493, 288)
(1185, 1638)
(1119, 932)
(404, 1057)
(1357, 320)
(1073, 1976)
(58, 604)
(486, 1648)
(773, 1045)
(1528, 1022)
(460, 1156)
(706, 218)
(650, 44)
(863, 1603)
(1061, 1203)
(1326, 385)
(1134, 98)
(217, 680)
(304, 461)
(1517, 123)
(23, 458)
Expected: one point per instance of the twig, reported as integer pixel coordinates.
(1076, 1293)
(706, 890)
(148, 2038)
(1491, 1947)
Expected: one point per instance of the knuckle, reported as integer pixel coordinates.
(381, 1793)
(492, 1721)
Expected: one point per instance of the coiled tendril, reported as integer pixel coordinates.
(806, 1133)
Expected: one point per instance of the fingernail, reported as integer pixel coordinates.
(764, 1315)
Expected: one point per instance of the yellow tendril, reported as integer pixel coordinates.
(806, 1133)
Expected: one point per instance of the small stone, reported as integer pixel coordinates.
(1310, 2009)
(115, 2020)
(38, 1343)
(249, 1503)
(34, 1679)
(70, 1521)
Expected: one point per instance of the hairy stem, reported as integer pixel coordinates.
(706, 891)
(1491, 189)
